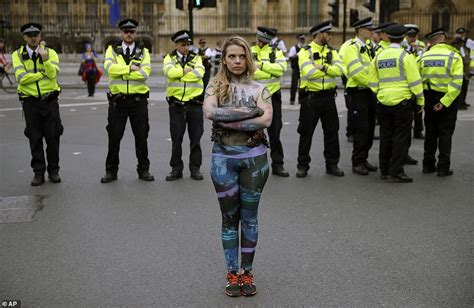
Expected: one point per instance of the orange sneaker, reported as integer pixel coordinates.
(232, 288)
(247, 286)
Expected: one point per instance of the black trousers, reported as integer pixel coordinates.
(465, 86)
(315, 106)
(417, 121)
(43, 121)
(363, 106)
(295, 77)
(395, 136)
(136, 109)
(276, 148)
(440, 127)
(180, 116)
(91, 84)
(206, 77)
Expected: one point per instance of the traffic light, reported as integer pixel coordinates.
(199, 4)
(370, 5)
(334, 12)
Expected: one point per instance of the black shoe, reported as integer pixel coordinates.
(108, 177)
(334, 170)
(384, 176)
(37, 180)
(174, 175)
(431, 169)
(370, 167)
(292, 102)
(146, 176)
(248, 288)
(280, 171)
(350, 138)
(462, 107)
(401, 178)
(54, 178)
(196, 175)
(360, 170)
(301, 173)
(232, 287)
(410, 160)
(444, 173)
(418, 135)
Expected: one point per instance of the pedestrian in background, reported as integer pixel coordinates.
(206, 56)
(295, 70)
(90, 73)
(36, 71)
(216, 57)
(128, 67)
(4, 64)
(184, 70)
(240, 109)
(460, 42)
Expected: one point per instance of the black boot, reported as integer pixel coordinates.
(196, 175)
(108, 177)
(280, 171)
(334, 170)
(174, 175)
(146, 176)
(54, 178)
(37, 180)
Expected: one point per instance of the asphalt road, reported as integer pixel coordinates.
(324, 241)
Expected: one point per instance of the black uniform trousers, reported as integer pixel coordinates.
(315, 106)
(395, 136)
(417, 122)
(363, 105)
(207, 76)
(43, 121)
(181, 115)
(440, 127)
(295, 77)
(135, 108)
(465, 86)
(276, 148)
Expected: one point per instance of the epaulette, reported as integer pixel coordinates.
(307, 47)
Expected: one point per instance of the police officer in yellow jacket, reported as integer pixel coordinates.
(320, 65)
(396, 81)
(184, 70)
(36, 69)
(128, 67)
(383, 42)
(357, 58)
(441, 70)
(349, 130)
(271, 64)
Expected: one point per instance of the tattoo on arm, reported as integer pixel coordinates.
(209, 91)
(232, 115)
(247, 126)
(266, 96)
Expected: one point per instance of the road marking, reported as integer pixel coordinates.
(94, 108)
(72, 109)
(61, 105)
(286, 123)
(168, 139)
(77, 153)
(2, 115)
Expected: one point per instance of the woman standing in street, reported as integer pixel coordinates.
(240, 109)
(90, 73)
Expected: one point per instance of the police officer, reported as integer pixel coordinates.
(295, 70)
(36, 70)
(397, 83)
(442, 74)
(128, 67)
(415, 47)
(184, 70)
(349, 131)
(206, 55)
(459, 42)
(320, 65)
(381, 34)
(271, 64)
(357, 57)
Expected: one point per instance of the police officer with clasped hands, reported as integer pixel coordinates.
(128, 67)
(36, 70)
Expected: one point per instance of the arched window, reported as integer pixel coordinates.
(441, 14)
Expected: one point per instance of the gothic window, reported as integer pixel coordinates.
(307, 13)
(238, 16)
(441, 14)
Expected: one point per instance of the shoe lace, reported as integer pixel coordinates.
(233, 279)
(246, 279)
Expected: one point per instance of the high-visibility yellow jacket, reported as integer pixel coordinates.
(394, 77)
(441, 70)
(313, 79)
(419, 47)
(35, 80)
(181, 86)
(343, 48)
(273, 63)
(357, 59)
(121, 79)
(382, 45)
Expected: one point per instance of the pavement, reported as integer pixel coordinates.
(324, 241)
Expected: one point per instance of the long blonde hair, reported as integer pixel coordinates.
(221, 82)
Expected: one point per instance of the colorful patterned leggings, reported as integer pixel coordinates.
(239, 174)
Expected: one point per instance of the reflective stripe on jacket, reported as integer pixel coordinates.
(271, 71)
(313, 79)
(441, 70)
(39, 81)
(394, 77)
(357, 59)
(121, 79)
(183, 87)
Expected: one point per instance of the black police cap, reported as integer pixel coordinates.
(301, 36)
(461, 30)
(412, 29)
(31, 27)
(265, 34)
(396, 31)
(128, 24)
(325, 26)
(382, 27)
(436, 32)
(181, 35)
(363, 23)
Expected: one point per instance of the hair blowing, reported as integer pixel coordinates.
(221, 82)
